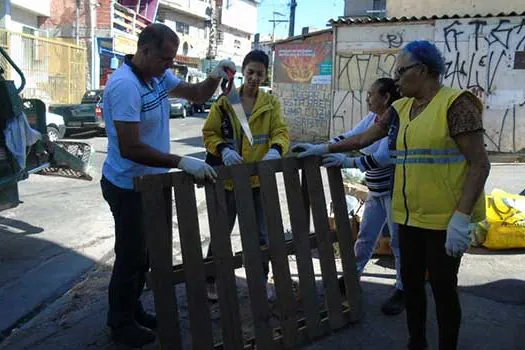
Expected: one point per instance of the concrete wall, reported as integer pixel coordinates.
(485, 55)
(398, 8)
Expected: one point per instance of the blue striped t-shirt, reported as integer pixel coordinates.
(128, 98)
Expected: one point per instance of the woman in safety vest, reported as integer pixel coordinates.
(436, 142)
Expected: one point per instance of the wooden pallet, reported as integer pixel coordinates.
(294, 331)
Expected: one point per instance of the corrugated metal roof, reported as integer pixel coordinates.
(369, 20)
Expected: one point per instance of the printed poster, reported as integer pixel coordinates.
(303, 63)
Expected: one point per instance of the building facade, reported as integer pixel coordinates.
(418, 8)
(109, 30)
(54, 70)
(363, 8)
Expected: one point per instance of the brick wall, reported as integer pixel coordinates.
(63, 17)
(104, 14)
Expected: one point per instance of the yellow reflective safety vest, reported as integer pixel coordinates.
(430, 170)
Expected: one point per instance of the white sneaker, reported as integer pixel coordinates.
(211, 291)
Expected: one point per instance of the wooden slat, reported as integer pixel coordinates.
(188, 221)
(158, 237)
(224, 266)
(279, 257)
(346, 244)
(325, 248)
(306, 198)
(179, 276)
(302, 246)
(254, 269)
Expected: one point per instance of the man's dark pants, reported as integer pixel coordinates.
(131, 259)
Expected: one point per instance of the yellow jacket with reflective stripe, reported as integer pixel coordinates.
(430, 170)
(266, 124)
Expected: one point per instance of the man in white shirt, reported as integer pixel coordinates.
(136, 112)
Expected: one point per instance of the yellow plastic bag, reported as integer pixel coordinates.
(505, 220)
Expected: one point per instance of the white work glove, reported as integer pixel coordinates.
(230, 157)
(308, 149)
(338, 160)
(219, 72)
(458, 235)
(272, 154)
(197, 168)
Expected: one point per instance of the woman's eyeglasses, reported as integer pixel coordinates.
(400, 71)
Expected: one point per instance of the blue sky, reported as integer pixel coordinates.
(313, 13)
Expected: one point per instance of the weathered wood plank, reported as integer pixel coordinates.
(324, 246)
(188, 221)
(209, 265)
(279, 257)
(224, 265)
(158, 237)
(301, 242)
(346, 246)
(253, 261)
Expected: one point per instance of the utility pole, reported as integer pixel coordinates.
(293, 5)
(275, 21)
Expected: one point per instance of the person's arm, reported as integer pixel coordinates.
(125, 107)
(198, 93)
(472, 146)
(379, 159)
(211, 131)
(375, 132)
(202, 91)
(466, 128)
(358, 129)
(279, 130)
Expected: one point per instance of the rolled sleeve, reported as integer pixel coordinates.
(125, 102)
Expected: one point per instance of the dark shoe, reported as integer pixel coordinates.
(132, 335)
(395, 304)
(146, 320)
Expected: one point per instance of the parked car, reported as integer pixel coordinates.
(55, 125)
(56, 128)
(202, 107)
(179, 108)
(86, 116)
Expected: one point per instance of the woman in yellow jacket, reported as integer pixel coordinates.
(226, 144)
(436, 142)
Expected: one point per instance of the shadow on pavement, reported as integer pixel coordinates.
(508, 291)
(35, 272)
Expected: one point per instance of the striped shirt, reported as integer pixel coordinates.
(127, 98)
(375, 162)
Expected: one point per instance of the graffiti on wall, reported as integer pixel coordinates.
(306, 108)
(482, 55)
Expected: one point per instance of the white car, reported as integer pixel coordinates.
(56, 128)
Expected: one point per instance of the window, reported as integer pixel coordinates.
(379, 5)
(183, 28)
(237, 44)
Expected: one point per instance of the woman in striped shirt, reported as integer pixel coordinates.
(378, 173)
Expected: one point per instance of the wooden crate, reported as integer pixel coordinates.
(294, 331)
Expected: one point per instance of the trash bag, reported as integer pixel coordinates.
(355, 176)
(505, 222)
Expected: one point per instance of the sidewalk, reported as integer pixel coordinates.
(493, 312)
